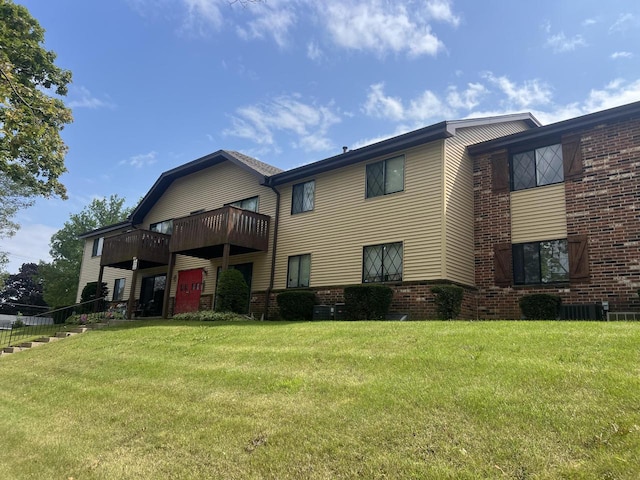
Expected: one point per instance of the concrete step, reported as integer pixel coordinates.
(47, 339)
(11, 349)
(31, 344)
(80, 330)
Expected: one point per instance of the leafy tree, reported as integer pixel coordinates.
(62, 275)
(31, 116)
(23, 288)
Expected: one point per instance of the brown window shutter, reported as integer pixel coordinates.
(502, 264)
(578, 258)
(572, 156)
(500, 172)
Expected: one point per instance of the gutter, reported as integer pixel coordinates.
(273, 252)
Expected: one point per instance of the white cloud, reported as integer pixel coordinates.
(468, 98)
(559, 43)
(82, 98)
(274, 23)
(140, 160)
(202, 14)
(426, 106)
(617, 55)
(523, 96)
(589, 21)
(441, 10)
(380, 27)
(288, 114)
(314, 52)
(381, 106)
(29, 245)
(624, 22)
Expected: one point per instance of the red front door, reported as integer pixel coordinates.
(188, 291)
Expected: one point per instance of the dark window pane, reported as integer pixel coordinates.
(554, 261)
(523, 170)
(375, 179)
(294, 268)
(392, 262)
(372, 264)
(518, 264)
(302, 197)
(549, 165)
(531, 263)
(394, 175)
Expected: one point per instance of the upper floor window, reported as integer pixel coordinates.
(382, 263)
(302, 198)
(299, 271)
(534, 168)
(165, 227)
(385, 177)
(540, 262)
(97, 247)
(250, 204)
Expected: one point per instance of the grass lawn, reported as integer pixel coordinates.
(155, 400)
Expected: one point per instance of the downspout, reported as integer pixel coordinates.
(273, 252)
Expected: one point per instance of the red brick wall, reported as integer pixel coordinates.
(603, 204)
(412, 298)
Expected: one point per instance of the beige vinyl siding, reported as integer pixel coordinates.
(343, 221)
(90, 270)
(538, 214)
(458, 242)
(210, 189)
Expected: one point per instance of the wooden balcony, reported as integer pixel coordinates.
(204, 235)
(150, 248)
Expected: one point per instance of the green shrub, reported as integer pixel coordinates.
(233, 292)
(18, 323)
(90, 318)
(89, 293)
(540, 306)
(211, 316)
(367, 302)
(296, 304)
(448, 300)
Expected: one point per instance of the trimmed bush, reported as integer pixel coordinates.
(540, 306)
(448, 300)
(296, 304)
(233, 292)
(367, 302)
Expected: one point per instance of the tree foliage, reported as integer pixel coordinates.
(31, 117)
(62, 275)
(21, 289)
(31, 149)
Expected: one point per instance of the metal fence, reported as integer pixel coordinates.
(17, 329)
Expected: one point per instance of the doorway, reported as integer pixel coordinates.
(188, 291)
(152, 295)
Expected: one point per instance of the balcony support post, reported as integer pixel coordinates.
(167, 286)
(98, 289)
(225, 257)
(131, 304)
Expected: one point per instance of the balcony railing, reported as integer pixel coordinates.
(204, 234)
(150, 248)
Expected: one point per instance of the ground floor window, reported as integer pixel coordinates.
(299, 271)
(540, 262)
(118, 289)
(382, 263)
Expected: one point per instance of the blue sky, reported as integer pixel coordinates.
(157, 83)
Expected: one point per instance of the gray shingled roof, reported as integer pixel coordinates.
(261, 167)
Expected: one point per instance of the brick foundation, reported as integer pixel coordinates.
(412, 298)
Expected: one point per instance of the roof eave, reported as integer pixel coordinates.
(556, 129)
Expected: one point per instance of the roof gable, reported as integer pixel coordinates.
(257, 168)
